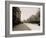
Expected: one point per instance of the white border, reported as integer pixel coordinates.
(23, 32)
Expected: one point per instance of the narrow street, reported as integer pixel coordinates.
(26, 26)
(32, 26)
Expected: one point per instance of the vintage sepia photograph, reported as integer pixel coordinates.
(25, 18)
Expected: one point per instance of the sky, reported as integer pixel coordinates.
(27, 12)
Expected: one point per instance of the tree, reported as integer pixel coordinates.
(34, 18)
(16, 15)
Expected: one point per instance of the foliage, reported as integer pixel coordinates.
(16, 15)
(34, 18)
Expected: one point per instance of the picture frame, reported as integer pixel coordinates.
(8, 18)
